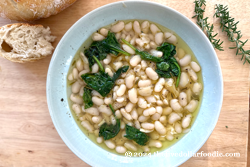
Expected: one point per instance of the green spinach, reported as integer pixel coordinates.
(136, 135)
(87, 98)
(167, 49)
(109, 131)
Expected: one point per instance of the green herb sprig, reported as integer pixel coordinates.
(230, 27)
(205, 26)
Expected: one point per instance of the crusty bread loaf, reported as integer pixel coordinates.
(22, 42)
(27, 10)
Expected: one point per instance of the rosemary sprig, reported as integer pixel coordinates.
(205, 26)
(230, 27)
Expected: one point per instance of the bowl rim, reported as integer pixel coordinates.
(49, 102)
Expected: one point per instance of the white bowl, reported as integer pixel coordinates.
(60, 113)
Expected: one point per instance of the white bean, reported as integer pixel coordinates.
(97, 119)
(130, 81)
(154, 135)
(105, 109)
(149, 111)
(134, 114)
(98, 101)
(175, 105)
(184, 80)
(76, 98)
(197, 87)
(95, 68)
(145, 27)
(76, 87)
(142, 102)
(180, 53)
(145, 91)
(110, 144)
(113, 120)
(118, 65)
(160, 128)
(165, 101)
(104, 31)
(79, 65)
(195, 66)
(186, 121)
(163, 119)
(130, 146)
(154, 29)
(95, 93)
(191, 107)
(129, 107)
(135, 60)
(122, 126)
(159, 102)
(144, 83)
(99, 140)
(125, 114)
(155, 143)
(185, 60)
(159, 109)
(147, 125)
(92, 111)
(107, 100)
(128, 26)
(107, 60)
(156, 53)
(159, 38)
(132, 95)
(97, 37)
(192, 75)
(128, 49)
(119, 81)
(167, 110)
(183, 99)
(151, 73)
(128, 38)
(178, 127)
(173, 117)
(169, 136)
(75, 73)
(121, 90)
(120, 149)
(142, 118)
(168, 34)
(117, 27)
(77, 108)
(151, 99)
(172, 39)
(137, 27)
(159, 85)
(87, 126)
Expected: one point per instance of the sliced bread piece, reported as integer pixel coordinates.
(22, 42)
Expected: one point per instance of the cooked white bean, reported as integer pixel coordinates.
(151, 73)
(134, 114)
(130, 146)
(173, 117)
(186, 121)
(70, 77)
(75, 88)
(128, 38)
(117, 27)
(97, 37)
(132, 95)
(193, 104)
(83, 72)
(178, 127)
(175, 105)
(167, 111)
(165, 101)
(154, 29)
(168, 35)
(92, 111)
(163, 119)
(95, 68)
(159, 102)
(105, 109)
(156, 53)
(120, 149)
(195, 66)
(128, 49)
(185, 60)
(137, 124)
(172, 39)
(107, 60)
(79, 65)
(107, 100)
(160, 128)
(118, 114)
(77, 108)
(142, 118)
(145, 148)
(155, 143)
(135, 60)
(130, 81)
(113, 120)
(119, 81)
(192, 75)
(142, 102)
(121, 90)
(183, 99)
(95, 93)
(129, 107)
(149, 111)
(147, 125)
(145, 91)
(104, 31)
(144, 83)
(151, 99)
(153, 45)
(159, 38)
(125, 114)
(120, 99)
(143, 64)
(75, 73)
(184, 80)
(159, 85)
(169, 136)
(97, 119)
(99, 140)
(159, 109)
(88, 126)
(76, 98)
(154, 135)
(137, 69)
(145, 27)
(128, 26)
(180, 53)
(98, 101)
(137, 27)
(197, 87)
(118, 65)
(122, 126)
(110, 144)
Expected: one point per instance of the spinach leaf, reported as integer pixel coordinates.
(163, 66)
(110, 131)
(87, 98)
(100, 49)
(167, 49)
(136, 135)
(144, 55)
(101, 81)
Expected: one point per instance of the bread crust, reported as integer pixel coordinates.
(27, 49)
(28, 10)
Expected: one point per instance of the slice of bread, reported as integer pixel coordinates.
(22, 42)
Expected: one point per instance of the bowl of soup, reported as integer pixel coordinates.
(134, 84)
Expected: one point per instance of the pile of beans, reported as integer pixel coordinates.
(140, 97)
